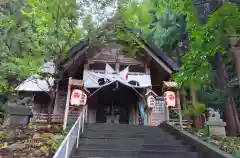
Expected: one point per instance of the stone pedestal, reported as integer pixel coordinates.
(217, 128)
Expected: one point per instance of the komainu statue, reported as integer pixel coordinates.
(213, 115)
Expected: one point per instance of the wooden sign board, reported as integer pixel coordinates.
(75, 82)
(151, 101)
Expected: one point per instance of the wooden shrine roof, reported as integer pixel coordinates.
(80, 49)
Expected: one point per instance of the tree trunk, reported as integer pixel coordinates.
(230, 107)
(194, 96)
(236, 58)
(52, 96)
(197, 117)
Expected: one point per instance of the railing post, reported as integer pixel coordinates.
(66, 148)
(79, 131)
(83, 118)
(86, 113)
(66, 153)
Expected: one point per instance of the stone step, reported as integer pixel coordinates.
(157, 131)
(127, 135)
(100, 157)
(151, 128)
(131, 153)
(123, 138)
(123, 129)
(120, 126)
(129, 140)
(135, 146)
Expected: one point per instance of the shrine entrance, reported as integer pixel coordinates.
(115, 102)
(112, 114)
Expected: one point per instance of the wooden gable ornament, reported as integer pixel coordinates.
(151, 98)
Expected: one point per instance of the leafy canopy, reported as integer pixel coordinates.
(33, 32)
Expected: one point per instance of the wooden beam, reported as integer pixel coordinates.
(71, 61)
(113, 61)
(74, 82)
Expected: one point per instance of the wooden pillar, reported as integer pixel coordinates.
(150, 117)
(179, 109)
(67, 105)
(149, 111)
(134, 114)
(147, 70)
(166, 113)
(137, 115)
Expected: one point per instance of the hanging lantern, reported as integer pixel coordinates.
(170, 99)
(151, 101)
(78, 97)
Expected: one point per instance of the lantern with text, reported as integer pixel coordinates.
(170, 99)
(78, 97)
(151, 101)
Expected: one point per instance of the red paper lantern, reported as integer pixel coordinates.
(170, 99)
(78, 97)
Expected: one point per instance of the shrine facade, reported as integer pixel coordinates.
(120, 88)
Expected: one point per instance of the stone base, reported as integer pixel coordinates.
(217, 131)
(216, 123)
(217, 128)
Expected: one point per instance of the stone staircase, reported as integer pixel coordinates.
(129, 141)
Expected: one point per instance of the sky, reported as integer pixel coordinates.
(97, 14)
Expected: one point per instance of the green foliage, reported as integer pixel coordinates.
(54, 143)
(169, 22)
(206, 40)
(194, 110)
(229, 144)
(33, 32)
(166, 19)
(168, 32)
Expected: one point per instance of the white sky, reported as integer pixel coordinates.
(97, 14)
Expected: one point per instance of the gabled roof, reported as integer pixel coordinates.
(76, 48)
(154, 52)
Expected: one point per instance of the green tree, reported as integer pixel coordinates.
(34, 32)
(169, 33)
(203, 64)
